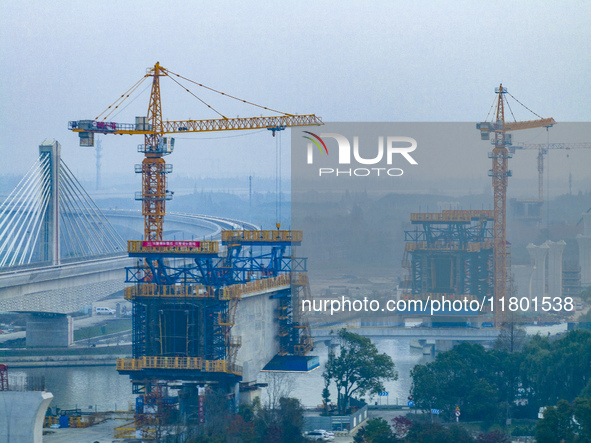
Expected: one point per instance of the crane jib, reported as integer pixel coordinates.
(169, 127)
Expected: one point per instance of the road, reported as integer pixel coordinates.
(84, 322)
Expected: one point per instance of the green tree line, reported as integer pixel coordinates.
(493, 385)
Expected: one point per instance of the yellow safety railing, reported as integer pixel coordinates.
(179, 363)
(154, 290)
(410, 246)
(299, 278)
(125, 431)
(82, 421)
(451, 216)
(200, 247)
(422, 245)
(261, 236)
(129, 430)
(477, 246)
(472, 213)
(304, 349)
(199, 291)
(236, 291)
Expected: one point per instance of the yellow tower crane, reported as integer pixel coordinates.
(500, 174)
(543, 149)
(156, 145)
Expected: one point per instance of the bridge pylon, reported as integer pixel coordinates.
(49, 246)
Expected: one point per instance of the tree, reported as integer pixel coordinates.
(556, 370)
(557, 424)
(433, 433)
(292, 420)
(256, 423)
(376, 430)
(586, 295)
(586, 392)
(493, 437)
(512, 335)
(582, 409)
(279, 384)
(466, 376)
(400, 426)
(358, 369)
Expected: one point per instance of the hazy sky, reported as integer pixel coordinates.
(342, 60)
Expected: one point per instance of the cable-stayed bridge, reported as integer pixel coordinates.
(50, 219)
(58, 251)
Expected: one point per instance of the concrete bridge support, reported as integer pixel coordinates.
(522, 283)
(22, 415)
(256, 324)
(584, 241)
(49, 330)
(555, 268)
(538, 260)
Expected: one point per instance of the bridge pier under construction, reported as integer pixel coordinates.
(192, 305)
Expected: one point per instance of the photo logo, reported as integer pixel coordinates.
(387, 147)
(316, 143)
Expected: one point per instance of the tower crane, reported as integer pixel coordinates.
(157, 144)
(500, 174)
(543, 149)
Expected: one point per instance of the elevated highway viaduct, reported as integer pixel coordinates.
(52, 292)
(431, 339)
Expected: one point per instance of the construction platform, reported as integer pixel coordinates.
(449, 254)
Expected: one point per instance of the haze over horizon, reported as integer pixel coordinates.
(383, 61)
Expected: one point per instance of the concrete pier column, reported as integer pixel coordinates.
(49, 330)
(555, 268)
(585, 259)
(587, 224)
(538, 255)
(22, 415)
(522, 280)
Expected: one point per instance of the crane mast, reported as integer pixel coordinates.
(154, 193)
(500, 175)
(543, 149)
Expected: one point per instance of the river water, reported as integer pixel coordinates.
(101, 387)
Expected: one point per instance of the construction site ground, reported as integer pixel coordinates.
(104, 432)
